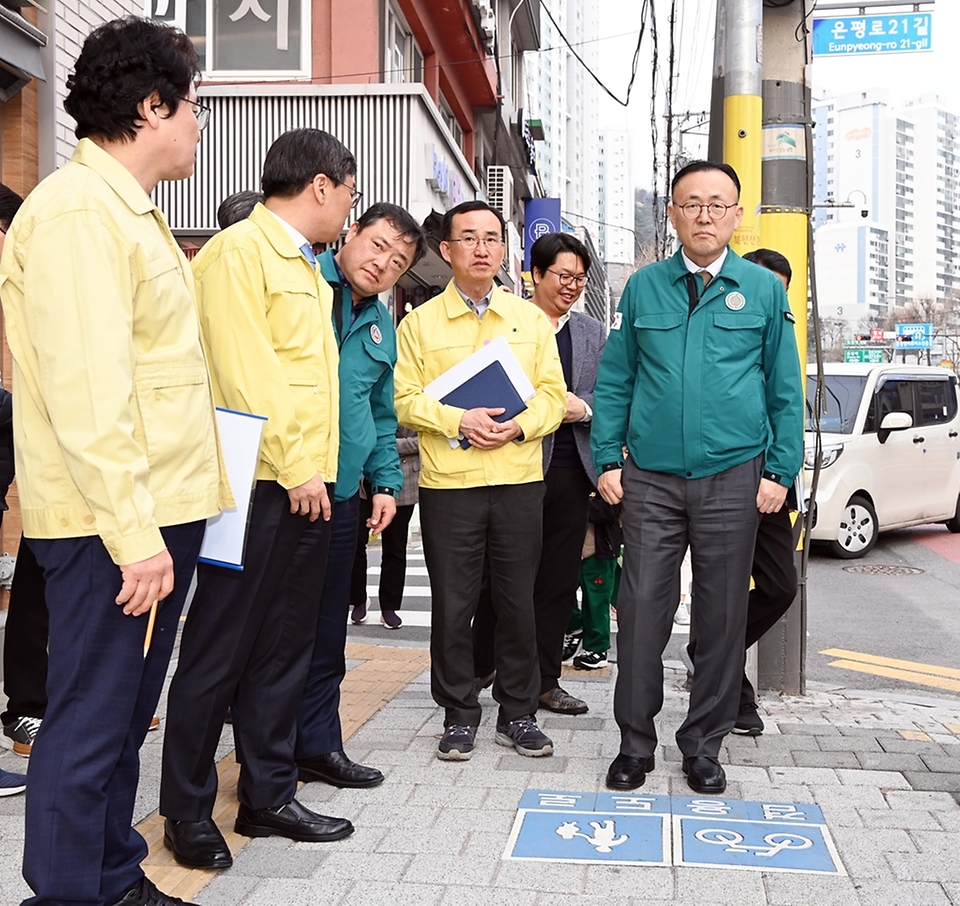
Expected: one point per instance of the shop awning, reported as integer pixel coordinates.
(20, 44)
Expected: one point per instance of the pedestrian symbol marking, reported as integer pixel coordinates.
(639, 829)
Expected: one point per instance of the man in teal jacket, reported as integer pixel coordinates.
(384, 243)
(700, 381)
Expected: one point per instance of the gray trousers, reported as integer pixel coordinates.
(717, 516)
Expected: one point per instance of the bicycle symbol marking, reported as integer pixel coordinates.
(775, 843)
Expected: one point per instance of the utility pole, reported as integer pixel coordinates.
(760, 125)
(784, 223)
(743, 111)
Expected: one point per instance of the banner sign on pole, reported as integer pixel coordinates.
(541, 216)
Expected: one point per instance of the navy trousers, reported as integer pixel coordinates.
(318, 718)
(102, 693)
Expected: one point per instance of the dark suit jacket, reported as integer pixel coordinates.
(587, 337)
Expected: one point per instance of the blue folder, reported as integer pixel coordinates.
(489, 389)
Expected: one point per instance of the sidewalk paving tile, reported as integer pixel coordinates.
(792, 890)
(903, 893)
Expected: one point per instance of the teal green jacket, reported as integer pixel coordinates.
(696, 393)
(368, 421)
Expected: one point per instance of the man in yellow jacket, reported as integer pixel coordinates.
(267, 321)
(484, 502)
(116, 447)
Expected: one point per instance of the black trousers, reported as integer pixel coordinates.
(248, 634)
(462, 528)
(565, 503)
(717, 516)
(774, 586)
(393, 557)
(25, 645)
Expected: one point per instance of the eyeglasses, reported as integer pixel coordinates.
(569, 279)
(471, 242)
(355, 196)
(201, 112)
(691, 210)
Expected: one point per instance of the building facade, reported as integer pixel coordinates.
(897, 168)
(428, 96)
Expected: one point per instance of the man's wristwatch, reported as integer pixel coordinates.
(385, 490)
(610, 467)
(771, 476)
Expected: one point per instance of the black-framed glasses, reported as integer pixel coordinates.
(355, 196)
(201, 112)
(691, 210)
(471, 242)
(569, 279)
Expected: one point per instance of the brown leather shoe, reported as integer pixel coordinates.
(562, 702)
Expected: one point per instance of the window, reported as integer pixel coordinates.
(402, 57)
(893, 396)
(937, 402)
(243, 37)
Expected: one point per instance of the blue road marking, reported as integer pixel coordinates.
(758, 845)
(638, 828)
(590, 837)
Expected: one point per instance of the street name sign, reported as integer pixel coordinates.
(853, 35)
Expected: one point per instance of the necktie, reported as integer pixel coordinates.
(307, 250)
(707, 277)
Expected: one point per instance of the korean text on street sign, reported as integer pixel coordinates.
(914, 336)
(900, 33)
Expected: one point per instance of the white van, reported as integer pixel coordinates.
(890, 454)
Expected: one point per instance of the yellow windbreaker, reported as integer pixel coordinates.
(113, 412)
(443, 332)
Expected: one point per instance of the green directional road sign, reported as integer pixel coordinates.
(865, 356)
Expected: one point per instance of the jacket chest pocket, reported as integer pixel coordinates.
(659, 332)
(738, 336)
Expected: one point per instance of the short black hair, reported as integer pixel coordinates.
(465, 207)
(122, 62)
(401, 220)
(237, 207)
(705, 166)
(772, 261)
(9, 205)
(299, 155)
(548, 247)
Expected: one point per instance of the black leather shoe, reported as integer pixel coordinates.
(627, 772)
(336, 769)
(197, 844)
(704, 774)
(294, 821)
(145, 893)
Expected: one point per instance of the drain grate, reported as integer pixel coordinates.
(885, 570)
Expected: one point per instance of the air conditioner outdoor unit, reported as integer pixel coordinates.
(500, 190)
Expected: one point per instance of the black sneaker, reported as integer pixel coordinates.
(457, 743)
(19, 735)
(591, 660)
(571, 644)
(525, 736)
(748, 720)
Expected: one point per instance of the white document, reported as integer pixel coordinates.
(226, 535)
(497, 350)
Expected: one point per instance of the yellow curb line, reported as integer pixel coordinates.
(384, 673)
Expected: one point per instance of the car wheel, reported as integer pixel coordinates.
(858, 530)
(954, 524)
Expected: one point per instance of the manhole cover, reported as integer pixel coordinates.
(885, 570)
